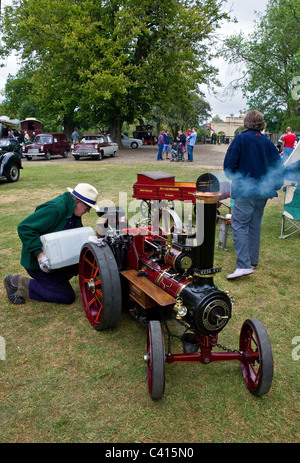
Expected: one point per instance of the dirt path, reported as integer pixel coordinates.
(209, 156)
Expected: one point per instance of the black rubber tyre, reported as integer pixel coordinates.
(155, 360)
(100, 286)
(13, 172)
(257, 373)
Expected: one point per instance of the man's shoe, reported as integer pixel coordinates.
(12, 291)
(239, 272)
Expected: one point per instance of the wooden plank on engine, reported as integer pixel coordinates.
(145, 292)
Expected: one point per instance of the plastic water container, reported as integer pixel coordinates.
(63, 247)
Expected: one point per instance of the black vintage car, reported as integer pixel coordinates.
(10, 159)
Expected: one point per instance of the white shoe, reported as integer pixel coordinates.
(239, 272)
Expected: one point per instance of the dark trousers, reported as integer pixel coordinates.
(54, 286)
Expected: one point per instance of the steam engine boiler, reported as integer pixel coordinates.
(166, 275)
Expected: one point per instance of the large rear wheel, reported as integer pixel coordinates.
(100, 286)
(257, 366)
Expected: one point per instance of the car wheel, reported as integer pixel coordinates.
(29, 158)
(76, 158)
(13, 172)
(66, 154)
(134, 145)
(48, 155)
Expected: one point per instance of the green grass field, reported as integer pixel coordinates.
(62, 381)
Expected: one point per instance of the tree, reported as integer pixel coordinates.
(191, 112)
(112, 60)
(271, 58)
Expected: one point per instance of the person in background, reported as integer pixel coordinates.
(191, 141)
(32, 138)
(288, 142)
(1, 128)
(61, 213)
(11, 135)
(160, 143)
(182, 139)
(75, 136)
(20, 137)
(255, 166)
(166, 146)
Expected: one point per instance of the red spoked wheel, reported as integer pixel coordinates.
(257, 366)
(100, 286)
(155, 360)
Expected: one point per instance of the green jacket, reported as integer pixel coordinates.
(49, 217)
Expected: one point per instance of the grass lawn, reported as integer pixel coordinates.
(62, 381)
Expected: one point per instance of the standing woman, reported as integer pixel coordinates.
(160, 143)
(253, 163)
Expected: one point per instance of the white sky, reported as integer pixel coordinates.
(243, 10)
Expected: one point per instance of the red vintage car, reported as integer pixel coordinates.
(96, 146)
(47, 145)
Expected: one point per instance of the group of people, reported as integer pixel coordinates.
(181, 142)
(18, 135)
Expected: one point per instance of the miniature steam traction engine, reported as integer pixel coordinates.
(165, 275)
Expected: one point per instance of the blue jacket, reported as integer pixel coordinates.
(167, 139)
(192, 139)
(254, 164)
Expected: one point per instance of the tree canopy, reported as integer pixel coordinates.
(110, 61)
(271, 58)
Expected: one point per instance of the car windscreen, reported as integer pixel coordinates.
(43, 139)
(5, 142)
(92, 138)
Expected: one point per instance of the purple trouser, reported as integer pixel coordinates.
(54, 286)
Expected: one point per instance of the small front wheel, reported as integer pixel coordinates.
(155, 359)
(257, 366)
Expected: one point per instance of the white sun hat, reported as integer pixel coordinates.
(85, 193)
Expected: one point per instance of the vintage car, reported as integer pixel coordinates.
(96, 146)
(145, 133)
(8, 145)
(48, 145)
(10, 159)
(128, 142)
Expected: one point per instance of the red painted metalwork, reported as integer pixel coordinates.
(168, 276)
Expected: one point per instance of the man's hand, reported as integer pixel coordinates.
(44, 263)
